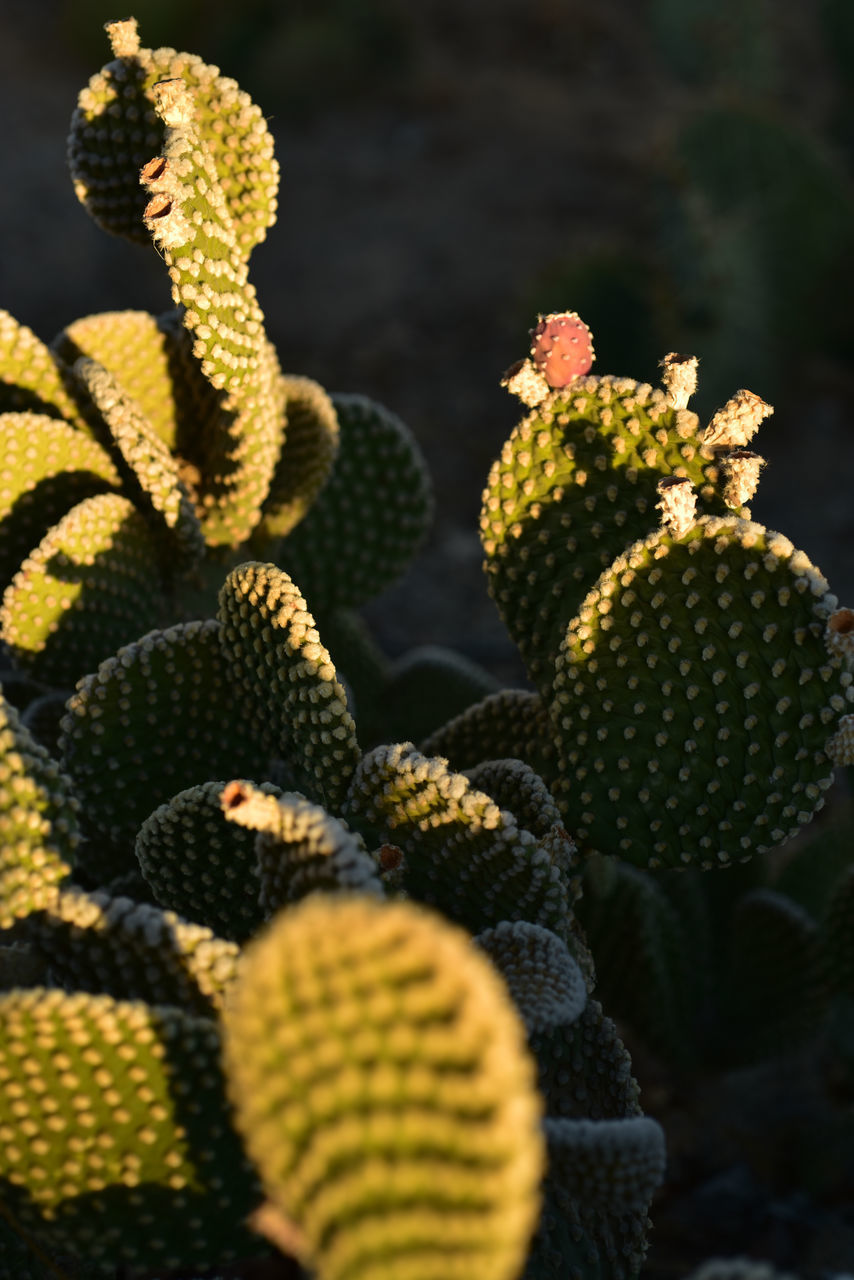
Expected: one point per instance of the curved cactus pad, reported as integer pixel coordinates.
(371, 516)
(90, 585)
(116, 112)
(307, 457)
(381, 1081)
(576, 482)
(129, 1156)
(46, 467)
(456, 839)
(695, 695)
(38, 822)
(287, 678)
(30, 378)
(164, 712)
(546, 984)
(300, 848)
(201, 865)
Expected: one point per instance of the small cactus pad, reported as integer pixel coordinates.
(38, 822)
(512, 723)
(546, 984)
(561, 348)
(163, 712)
(110, 1111)
(307, 457)
(46, 467)
(577, 481)
(455, 839)
(371, 516)
(92, 584)
(300, 848)
(381, 1081)
(695, 697)
(287, 677)
(30, 377)
(116, 116)
(201, 865)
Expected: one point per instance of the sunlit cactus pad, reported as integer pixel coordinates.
(382, 1083)
(695, 696)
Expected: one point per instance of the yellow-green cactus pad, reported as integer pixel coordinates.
(575, 483)
(287, 679)
(150, 473)
(46, 468)
(164, 712)
(133, 951)
(30, 378)
(310, 449)
(90, 585)
(139, 350)
(464, 854)
(695, 697)
(300, 848)
(116, 1143)
(38, 822)
(381, 1081)
(115, 130)
(201, 865)
(371, 516)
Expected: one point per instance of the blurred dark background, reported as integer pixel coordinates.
(681, 172)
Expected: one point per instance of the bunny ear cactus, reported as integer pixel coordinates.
(381, 1081)
(694, 693)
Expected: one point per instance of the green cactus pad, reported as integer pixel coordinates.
(201, 865)
(30, 378)
(546, 984)
(310, 449)
(457, 840)
(300, 848)
(695, 696)
(149, 472)
(164, 712)
(584, 1069)
(371, 516)
(575, 483)
(139, 350)
(286, 676)
(38, 822)
(132, 951)
(513, 723)
(116, 1143)
(90, 585)
(381, 1081)
(115, 130)
(47, 467)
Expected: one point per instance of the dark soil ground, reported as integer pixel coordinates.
(445, 167)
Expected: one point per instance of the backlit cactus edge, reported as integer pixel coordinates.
(264, 985)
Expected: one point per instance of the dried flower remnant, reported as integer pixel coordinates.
(740, 470)
(679, 377)
(840, 635)
(738, 421)
(677, 504)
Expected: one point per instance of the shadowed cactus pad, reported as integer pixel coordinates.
(123, 1110)
(695, 696)
(381, 1081)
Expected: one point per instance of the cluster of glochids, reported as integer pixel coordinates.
(694, 667)
(141, 453)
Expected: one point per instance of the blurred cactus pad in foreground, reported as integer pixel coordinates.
(307, 955)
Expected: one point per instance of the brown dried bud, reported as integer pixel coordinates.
(173, 101)
(839, 636)
(123, 36)
(524, 381)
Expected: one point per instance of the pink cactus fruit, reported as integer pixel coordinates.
(561, 348)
